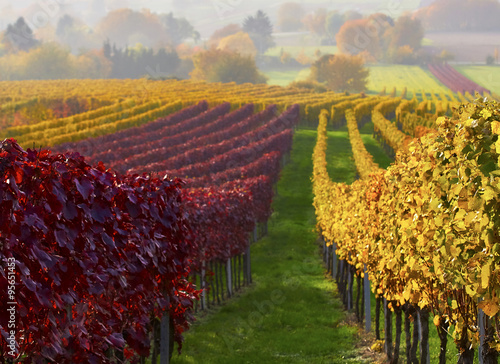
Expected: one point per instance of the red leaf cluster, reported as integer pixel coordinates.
(96, 254)
(109, 142)
(237, 151)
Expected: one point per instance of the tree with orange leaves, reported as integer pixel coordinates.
(340, 72)
(358, 36)
(240, 43)
(216, 65)
(315, 22)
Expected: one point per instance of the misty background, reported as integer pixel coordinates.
(205, 15)
(173, 39)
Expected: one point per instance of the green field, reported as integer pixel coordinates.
(486, 76)
(414, 78)
(295, 50)
(283, 78)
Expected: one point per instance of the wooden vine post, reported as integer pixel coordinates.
(423, 323)
(229, 278)
(368, 311)
(335, 260)
(165, 339)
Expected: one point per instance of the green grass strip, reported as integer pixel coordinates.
(373, 147)
(291, 313)
(340, 162)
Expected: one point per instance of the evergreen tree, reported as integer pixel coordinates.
(178, 29)
(260, 30)
(19, 36)
(64, 24)
(333, 23)
(140, 62)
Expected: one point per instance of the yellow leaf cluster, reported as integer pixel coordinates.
(427, 229)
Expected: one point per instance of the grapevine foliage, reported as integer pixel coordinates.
(99, 256)
(428, 227)
(96, 254)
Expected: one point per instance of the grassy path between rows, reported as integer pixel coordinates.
(290, 314)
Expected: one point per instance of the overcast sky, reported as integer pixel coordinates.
(205, 15)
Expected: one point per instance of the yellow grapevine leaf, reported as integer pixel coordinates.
(469, 218)
(475, 203)
(438, 221)
(489, 193)
(460, 225)
(463, 203)
(460, 214)
(490, 307)
(469, 289)
(406, 294)
(485, 275)
(454, 251)
(487, 237)
(434, 204)
(454, 305)
(485, 220)
(495, 127)
(485, 113)
(378, 346)
(437, 320)
(441, 120)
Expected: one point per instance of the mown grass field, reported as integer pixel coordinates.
(294, 51)
(284, 78)
(414, 78)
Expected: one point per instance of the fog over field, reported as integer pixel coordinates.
(169, 39)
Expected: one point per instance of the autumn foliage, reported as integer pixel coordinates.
(223, 32)
(96, 255)
(425, 230)
(100, 256)
(340, 72)
(380, 38)
(240, 43)
(460, 15)
(216, 65)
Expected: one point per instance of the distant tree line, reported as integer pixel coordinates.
(460, 15)
(378, 37)
(23, 56)
(141, 61)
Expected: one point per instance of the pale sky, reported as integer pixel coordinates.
(205, 15)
